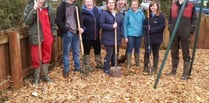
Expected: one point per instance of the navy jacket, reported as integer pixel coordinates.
(106, 22)
(157, 26)
(91, 24)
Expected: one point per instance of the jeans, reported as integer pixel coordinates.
(110, 57)
(71, 41)
(133, 42)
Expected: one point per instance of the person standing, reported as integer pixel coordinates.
(133, 32)
(110, 20)
(186, 27)
(154, 26)
(39, 17)
(66, 20)
(122, 8)
(90, 15)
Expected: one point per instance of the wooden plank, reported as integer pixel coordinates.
(206, 31)
(15, 57)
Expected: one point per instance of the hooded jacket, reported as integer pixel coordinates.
(133, 22)
(91, 23)
(157, 26)
(106, 22)
(30, 18)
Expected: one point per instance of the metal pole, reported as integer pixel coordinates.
(169, 45)
(196, 37)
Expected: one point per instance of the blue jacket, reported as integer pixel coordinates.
(106, 22)
(91, 23)
(133, 23)
(157, 26)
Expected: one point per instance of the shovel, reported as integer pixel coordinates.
(83, 69)
(115, 71)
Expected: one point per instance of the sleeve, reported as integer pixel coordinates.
(194, 20)
(52, 21)
(60, 17)
(29, 14)
(125, 25)
(102, 22)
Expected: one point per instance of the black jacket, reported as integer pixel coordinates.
(157, 26)
(61, 18)
(91, 24)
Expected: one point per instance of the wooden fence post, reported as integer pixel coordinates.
(15, 58)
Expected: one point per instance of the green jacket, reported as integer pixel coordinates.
(30, 18)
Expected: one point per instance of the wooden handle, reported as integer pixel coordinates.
(79, 26)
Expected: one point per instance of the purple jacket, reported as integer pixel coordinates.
(106, 22)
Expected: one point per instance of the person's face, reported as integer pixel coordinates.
(134, 6)
(40, 2)
(121, 3)
(89, 4)
(111, 4)
(154, 8)
(71, 1)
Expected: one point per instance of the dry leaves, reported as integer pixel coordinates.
(132, 87)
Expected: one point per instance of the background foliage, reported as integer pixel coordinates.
(11, 11)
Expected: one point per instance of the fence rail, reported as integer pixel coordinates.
(15, 61)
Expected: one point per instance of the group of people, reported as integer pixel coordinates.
(114, 19)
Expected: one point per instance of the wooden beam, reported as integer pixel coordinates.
(15, 57)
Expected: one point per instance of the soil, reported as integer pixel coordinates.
(132, 87)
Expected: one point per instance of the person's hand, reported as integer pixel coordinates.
(115, 25)
(126, 40)
(38, 4)
(80, 30)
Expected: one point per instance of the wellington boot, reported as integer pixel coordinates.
(98, 60)
(185, 71)
(128, 61)
(36, 76)
(155, 66)
(122, 59)
(45, 72)
(136, 59)
(173, 72)
(87, 63)
(146, 60)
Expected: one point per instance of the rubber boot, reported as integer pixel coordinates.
(128, 61)
(122, 59)
(87, 63)
(136, 59)
(173, 71)
(155, 64)
(146, 60)
(46, 72)
(36, 76)
(98, 60)
(185, 71)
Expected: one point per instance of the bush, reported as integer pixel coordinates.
(11, 13)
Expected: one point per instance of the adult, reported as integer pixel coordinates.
(133, 31)
(186, 28)
(39, 17)
(110, 20)
(154, 26)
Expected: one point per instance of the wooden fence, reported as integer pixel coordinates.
(15, 53)
(15, 61)
(203, 40)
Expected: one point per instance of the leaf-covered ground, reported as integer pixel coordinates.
(132, 87)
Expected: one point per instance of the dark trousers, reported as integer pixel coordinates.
(182, 40)
(87, 44)
(110, 57)
(154, 48)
